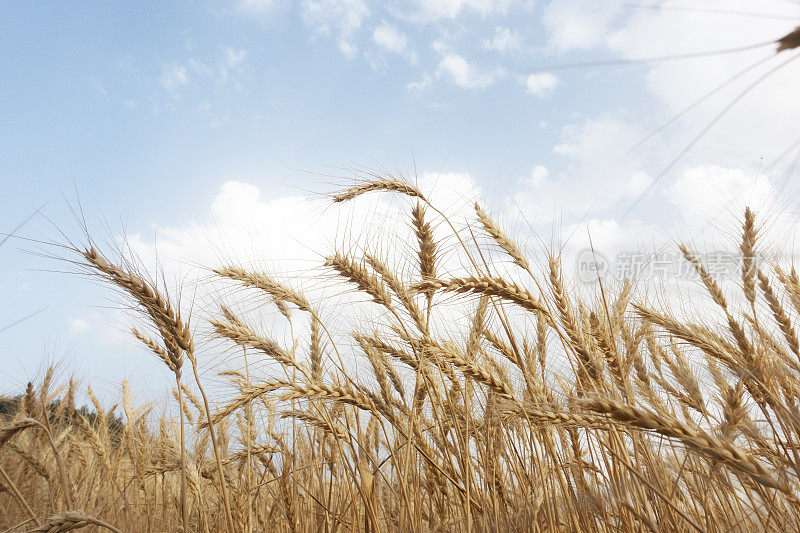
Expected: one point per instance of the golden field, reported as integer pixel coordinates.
(474, 400)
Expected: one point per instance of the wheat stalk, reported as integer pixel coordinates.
(502, 240)
(748, 256)
(706, 444)
(782, 319)
(378, 185)
(476, 443)
(70, 520)
(262, 281)
(359, 275)
(499, 287)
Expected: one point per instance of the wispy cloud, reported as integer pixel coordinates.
(173, 77)
(425, 11)
(504, 41)
(200, 68)
(232, 60)
(389, 37)
(259, 7)
(541, 84)
(338, 18)
(177, 76)
(79, 325)
(417, 87)
(578, 24)
(97, 85)
(465, 75)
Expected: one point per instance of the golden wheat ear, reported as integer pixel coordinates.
(790, 41)
(378, 185)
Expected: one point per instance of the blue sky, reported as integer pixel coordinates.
(166, 118)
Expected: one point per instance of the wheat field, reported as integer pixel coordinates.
(541, 408)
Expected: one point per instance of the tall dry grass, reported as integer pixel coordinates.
(546, 410)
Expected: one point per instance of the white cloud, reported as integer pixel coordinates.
(536, 176)
(440, 46)
(578, 24)
(173, 78)
(200, 68)
(347, 48)
(701, 192)
(753, 127)
(176, 76)
(503, 41)
(289, 237)
(717, 171)
(432, 10)
(465, 75)
(328, 16)
(387, 36)
(233, 57)
(638, 184)
(256, 6)
(417, 87)
(596, 172)
(232, 60)
(336, 17)
(79, 325)
(288, 232)
(749, 130)
(609, 235)
(97, 85)
(541, 84)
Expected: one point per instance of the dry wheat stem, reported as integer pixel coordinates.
(18, 495)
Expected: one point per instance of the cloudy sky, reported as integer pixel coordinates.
(209, 131)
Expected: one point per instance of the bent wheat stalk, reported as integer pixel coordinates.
(70, 520)
(729, 454)
(504, 289)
